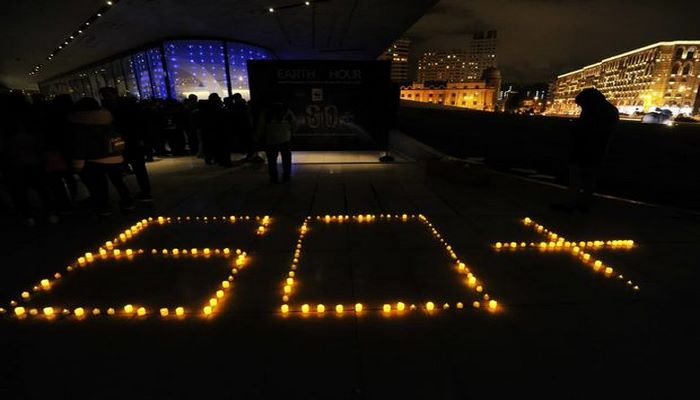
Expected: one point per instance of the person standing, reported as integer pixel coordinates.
(212, 122)
(590, 139)
(97, 153)
(275, 128)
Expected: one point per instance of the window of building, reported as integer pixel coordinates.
(675, 69)
(679, 53)
(686, 69)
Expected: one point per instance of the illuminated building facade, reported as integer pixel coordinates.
(450, 66)
(170, 69)
(662, 75)
(482, 53)
(397, 53)
(463, 65)
(472, 95)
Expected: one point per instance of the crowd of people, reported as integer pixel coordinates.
(48, 148)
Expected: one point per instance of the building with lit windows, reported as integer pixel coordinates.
(463, 65)
(397, 53)
(450, 66)
(662, 75)
(471, 95)
(482, 53)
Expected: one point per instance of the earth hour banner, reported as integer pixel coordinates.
(339, 105)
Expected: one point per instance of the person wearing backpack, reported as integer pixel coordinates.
(275, 128)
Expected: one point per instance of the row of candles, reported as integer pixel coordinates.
(578, 249)
(387, 308)
(470, 279)
(131, 232)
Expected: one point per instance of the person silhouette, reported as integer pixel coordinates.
(275, 128)
(590, 139)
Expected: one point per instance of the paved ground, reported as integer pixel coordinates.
(561, 330)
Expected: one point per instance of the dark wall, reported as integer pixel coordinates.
(647, 162)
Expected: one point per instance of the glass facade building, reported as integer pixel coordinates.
(170, 69)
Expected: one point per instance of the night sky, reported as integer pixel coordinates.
(540, 39)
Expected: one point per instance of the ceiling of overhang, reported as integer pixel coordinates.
(330, 29)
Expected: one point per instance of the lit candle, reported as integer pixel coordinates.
(284, 308)
(79, 312)
(460, 305)
(19, 311)
(110, 311)
(45, 284)
(479, 288)
(129, 252)
(400, 306)
(287, 289)
(305, 308)
(207, 310)
(445, 306)
(213, 302)
(339, 308)
(128, 308)
(461, 267)
(48, 311)
(25, 295)
(608, 271)
(476, 304)
(219, 294)
(227, 251)
(386, 308)
(96, 311)
(320, 308)
(164, 312)
(179, 311)
(358, 307)
(225, 284)
(493, 304)
(430, 306)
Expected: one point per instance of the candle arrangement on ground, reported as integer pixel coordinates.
(111, 251)
(290, 283)
(581, 250)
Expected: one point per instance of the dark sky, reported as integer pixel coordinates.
(542, 38)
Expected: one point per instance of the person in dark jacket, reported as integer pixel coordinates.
(212, 121)
(590, 139)
(129, 123)
(275, 128)
(96, 154)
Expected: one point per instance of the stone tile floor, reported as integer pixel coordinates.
(563, 331)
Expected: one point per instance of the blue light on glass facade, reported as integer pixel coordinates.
(238, 56)
(142, 75)
(155, 62)
(132, 85)
(196, 67)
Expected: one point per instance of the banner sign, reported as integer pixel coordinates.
(339, 105)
